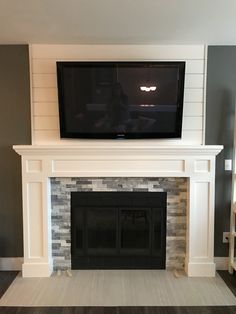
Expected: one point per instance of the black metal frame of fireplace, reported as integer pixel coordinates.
(154, 205)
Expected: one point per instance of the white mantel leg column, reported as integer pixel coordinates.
(200, 246)
(36, 220)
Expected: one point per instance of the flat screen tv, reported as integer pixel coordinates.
(120, 100)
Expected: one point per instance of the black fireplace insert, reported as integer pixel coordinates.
(118, 230)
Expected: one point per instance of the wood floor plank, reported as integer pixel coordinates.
(6, 278)
(121, 310)
(229, 279)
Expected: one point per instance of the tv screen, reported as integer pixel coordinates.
(120, 99)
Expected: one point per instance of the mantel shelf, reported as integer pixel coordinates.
(118, 147)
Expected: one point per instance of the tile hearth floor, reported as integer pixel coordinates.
(118, 288)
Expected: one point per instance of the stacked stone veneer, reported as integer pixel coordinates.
(176, 189)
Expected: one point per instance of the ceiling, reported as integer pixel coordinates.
(118, 21)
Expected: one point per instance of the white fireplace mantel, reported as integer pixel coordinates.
(117, 159)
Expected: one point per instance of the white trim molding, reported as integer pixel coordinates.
(11, 263)
(118, 147)
(117, 159)
(222, 263)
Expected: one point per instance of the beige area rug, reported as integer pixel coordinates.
(118, 288)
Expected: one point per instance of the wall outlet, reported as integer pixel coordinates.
(225, 237)
(228, 164)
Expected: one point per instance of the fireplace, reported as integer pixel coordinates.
(118, 230)
(117, 159)
(63, 195)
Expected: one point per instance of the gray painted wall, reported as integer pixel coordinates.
(14, 129)
(220, 107)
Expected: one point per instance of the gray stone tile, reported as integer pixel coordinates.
(176, 189)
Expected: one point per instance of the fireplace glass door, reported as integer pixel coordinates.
(135, 230)
(118, 230)
(101, 230)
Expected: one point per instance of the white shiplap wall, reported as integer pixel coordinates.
(45, 119)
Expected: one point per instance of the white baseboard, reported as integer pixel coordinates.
(11, 263)
(222, 263)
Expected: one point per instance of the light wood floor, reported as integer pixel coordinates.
(118, 288)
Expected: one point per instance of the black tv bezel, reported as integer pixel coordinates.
(113, 135)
